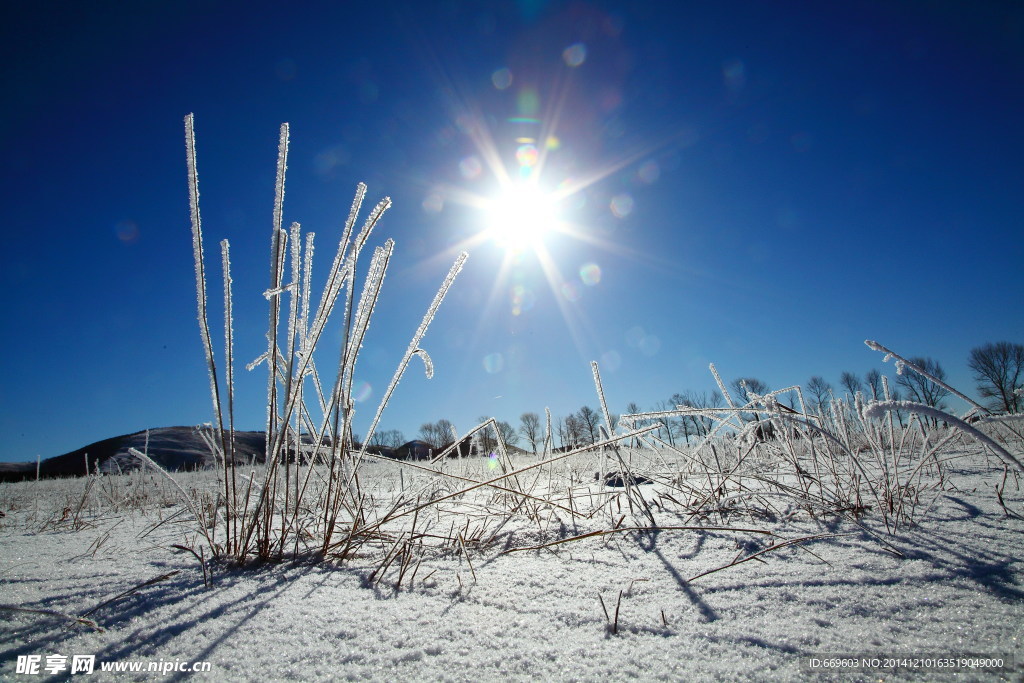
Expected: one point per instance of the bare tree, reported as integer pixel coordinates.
(387, 438)
(575, 432)
(665, 423)
(632, 409)
(921, 389)
(741, 386)
(562, 431)
(819, 391)
(684, 423)
(437, 434)
(429, 434)
(508, 433)
(873, 379)
(851, 382)
(529, 427)
(485, 437)
(998, 370)
(704, 400)
(589, 419)
(446, 432)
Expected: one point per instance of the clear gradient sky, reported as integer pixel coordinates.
(759, 184)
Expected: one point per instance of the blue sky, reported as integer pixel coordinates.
(761, 185)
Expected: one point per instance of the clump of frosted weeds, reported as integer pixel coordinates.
(307, 495)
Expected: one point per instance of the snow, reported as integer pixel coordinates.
(521, 615)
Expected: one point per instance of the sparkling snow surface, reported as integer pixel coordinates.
(530, 615)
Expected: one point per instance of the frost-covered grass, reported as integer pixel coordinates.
(482, 587)
(863, 526)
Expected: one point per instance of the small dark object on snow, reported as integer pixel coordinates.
(618, 479)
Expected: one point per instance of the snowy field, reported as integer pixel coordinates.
(460, 590)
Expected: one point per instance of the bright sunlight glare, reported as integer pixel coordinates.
(520, 217)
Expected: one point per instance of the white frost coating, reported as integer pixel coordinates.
(889, 353)
(282, 167)
(721, 385)
(336, 278)
(600, 397)
(876, 409)
(307, 273)
(197, 253)
(196, 511)
(428, 364)
(364, 312)
(371, 293)
(278, 250)
(414, 344)
(547, 431)
(371, 222)
(293, 303)
(254, 364)
(229, 342)
(1002, 418)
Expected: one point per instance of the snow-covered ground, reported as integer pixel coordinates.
(949, 586)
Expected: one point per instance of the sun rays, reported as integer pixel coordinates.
(537, 177)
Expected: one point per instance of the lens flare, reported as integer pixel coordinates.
(471, 168)
(570, 291)
(801, 141)
(649, 172)
(622, 205)
(527, 155)
(527, 102)
(493, 363)
(330, 158)
(735, 75)
(433, 203)
(523, 299)
(502, 79)
(361, 391)
(590, 274)
(575, 54)
(647, 344)
(127, 231)
(611, 360)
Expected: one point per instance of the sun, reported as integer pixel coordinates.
(521, 216)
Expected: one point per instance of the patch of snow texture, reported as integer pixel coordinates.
(530, 615)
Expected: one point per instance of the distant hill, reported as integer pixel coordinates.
(173, 448)
(180, 449)
(414, 450)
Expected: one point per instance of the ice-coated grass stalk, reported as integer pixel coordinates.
(889, 353)
(270, 514)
